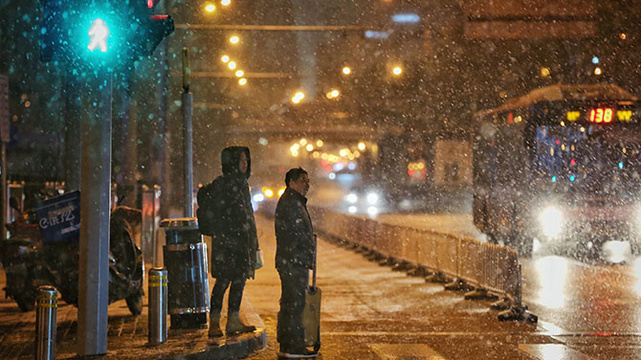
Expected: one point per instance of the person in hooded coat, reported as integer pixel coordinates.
(234, 239)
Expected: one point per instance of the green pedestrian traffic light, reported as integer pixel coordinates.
(113, 33)
(98, 34)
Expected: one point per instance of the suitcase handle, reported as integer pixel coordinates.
(313, 287)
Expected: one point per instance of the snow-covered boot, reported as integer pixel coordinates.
(236, 326)
(214, 327)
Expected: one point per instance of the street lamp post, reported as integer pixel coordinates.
(187, 108)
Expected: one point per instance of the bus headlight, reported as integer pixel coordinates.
(551, 220)
(372, 198)
(351, 198)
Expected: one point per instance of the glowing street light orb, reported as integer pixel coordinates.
(598, 71)
(347, 70)
(231, 65)
(397, 71)
(210, 8)
(240, 73)
(545, 72)
(225, 2)
(234, 39)
(242, 82)
(298, 97)
(309, 147)
(225, 58)
(361, 146)
(333, 94)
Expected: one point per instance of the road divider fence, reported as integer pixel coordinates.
(488, 271)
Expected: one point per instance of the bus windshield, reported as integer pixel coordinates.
(590, 160)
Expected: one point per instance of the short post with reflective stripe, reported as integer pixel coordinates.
(157, 305)
(46, 322)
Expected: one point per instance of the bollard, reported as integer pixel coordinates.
(157, 322)
(46, 322)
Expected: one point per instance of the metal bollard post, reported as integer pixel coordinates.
(46, 322)
(157, 321)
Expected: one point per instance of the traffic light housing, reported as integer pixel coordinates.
(153, 30)
(109, 33)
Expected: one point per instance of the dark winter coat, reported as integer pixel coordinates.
(234, 239)
(294, 232)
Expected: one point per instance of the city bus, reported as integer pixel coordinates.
(559, 167)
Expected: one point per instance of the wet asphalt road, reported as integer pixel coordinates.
(372, 312)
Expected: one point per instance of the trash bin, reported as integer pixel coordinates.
(185, 258)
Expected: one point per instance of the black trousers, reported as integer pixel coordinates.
(235, 295)
(290, 333)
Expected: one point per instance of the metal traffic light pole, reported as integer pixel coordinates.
(95, 185)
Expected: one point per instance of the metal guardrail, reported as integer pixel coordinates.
(489, 268)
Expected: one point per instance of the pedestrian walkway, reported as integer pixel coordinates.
(127, 335)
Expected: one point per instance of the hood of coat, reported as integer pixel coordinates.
(230, 159)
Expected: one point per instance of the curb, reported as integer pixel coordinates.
(239, 346)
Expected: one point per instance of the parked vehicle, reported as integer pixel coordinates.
(31, 259)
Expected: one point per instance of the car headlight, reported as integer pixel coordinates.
(351, 198)
(372, 198)
(551, 221)
(372, 211)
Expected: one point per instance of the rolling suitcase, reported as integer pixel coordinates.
(311, 313)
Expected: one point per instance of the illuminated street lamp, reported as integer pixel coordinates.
(234, 39)
(240, 73)
(545, 72)
(298, 97)
(225, 2)
(397, 70)
(210, 8)
(225, 58)
(347, 70)
(242, 82)
(231, 65)
(294, 150)
(598, 71)
(333, 94)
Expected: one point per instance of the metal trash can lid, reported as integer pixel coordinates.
(183, 223)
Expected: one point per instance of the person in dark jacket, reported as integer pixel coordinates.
(234, 239)
(294, 257)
